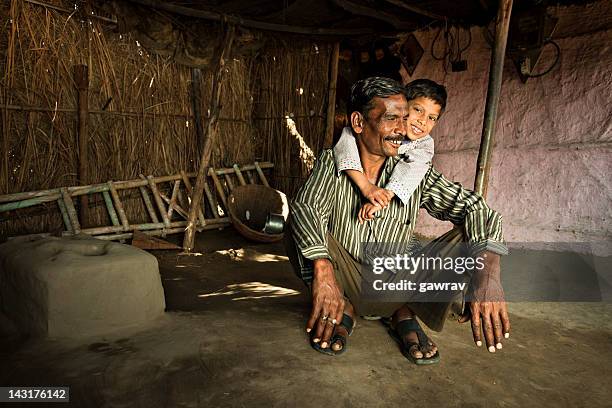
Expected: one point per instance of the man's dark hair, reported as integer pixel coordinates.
(428, 89)
(365, 90)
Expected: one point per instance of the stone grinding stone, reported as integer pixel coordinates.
(77, 286)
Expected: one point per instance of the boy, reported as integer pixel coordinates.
(426, 100)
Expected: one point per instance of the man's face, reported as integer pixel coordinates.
(385, 127)
(423, 114)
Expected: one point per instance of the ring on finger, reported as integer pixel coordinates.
(324, 318)
(334, 321)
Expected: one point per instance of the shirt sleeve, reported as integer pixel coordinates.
(346, 153)
(409, 172)
(448, 201)
(311, 208)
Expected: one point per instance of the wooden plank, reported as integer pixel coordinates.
(189, 189)
(160, 230)
(249, 174)
(219, 187)
(144, 241)
(230, 183)
(147, 202)
(158, 201)
(81, 81)
(72, 213)
(110, 208)
(331, 95)
(64, 213)
(172, 201)
(212, 201)
(239, 175)
(28, 203)
(173, 206)
(119, 206)
(119, 185)
(261, 175)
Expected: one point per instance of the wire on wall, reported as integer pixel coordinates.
(553, 65)
(453, 46)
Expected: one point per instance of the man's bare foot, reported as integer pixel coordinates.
(418, 350)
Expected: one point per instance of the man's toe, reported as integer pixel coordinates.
(430, 350)
(416, 352)
(337, 346)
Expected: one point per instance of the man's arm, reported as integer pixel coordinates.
(310, 212)
(449, 201)
(311, 208)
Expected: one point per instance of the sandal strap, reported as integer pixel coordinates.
(407, 326)
(348, 323)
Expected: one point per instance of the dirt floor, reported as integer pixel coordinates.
(233, 335)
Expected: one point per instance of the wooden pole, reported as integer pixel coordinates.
(209, 133)
(81, 80)
(196, 104)
(493, 92)
(331, 95)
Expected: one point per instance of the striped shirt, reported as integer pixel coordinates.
(328, 203)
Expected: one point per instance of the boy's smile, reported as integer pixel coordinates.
(423, 114)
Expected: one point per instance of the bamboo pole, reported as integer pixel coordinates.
(52, 194)
(196, 104)
(129, 114)
(72, 214)
(81, 80)
(239, 175)
(218, 186)
(260, 25)
(331, 95)
(209, 134)
(110, 208)
(230, 183)
(158, 201)
(189, 189)
(493, 92)
(250, 177)
(211, 200)
(118, 206)
(65, 217)
(262, 176)
(147, 202)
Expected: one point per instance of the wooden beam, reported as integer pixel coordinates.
(416, 9)
(54, 193)
(209, 135)
(81, 80)
(331, 95)
(216, 16)
(496, 70)
(51, 6)
(196, 105)
(361, 10)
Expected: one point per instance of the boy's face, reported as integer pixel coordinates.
(423, 114)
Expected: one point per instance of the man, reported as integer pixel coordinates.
(329, 239)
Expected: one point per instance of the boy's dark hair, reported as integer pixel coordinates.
(428, 89)
(365, 90)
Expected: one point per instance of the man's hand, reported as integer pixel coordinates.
(377, 195)
(367, 212)
(327, 303)
(487, 309)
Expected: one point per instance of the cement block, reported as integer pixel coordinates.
(80, 286)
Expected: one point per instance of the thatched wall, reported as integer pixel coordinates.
(148, 126)
(293, 84)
